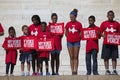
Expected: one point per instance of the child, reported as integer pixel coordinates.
(25, 55)
(92, 50)
(110, 51)
(72, 32)
(33, 30)
(1, 30)
(11, 54)
(55, 54)
(44, 55)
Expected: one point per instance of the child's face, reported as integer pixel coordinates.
(110, 16)
(91, 21)
(54, 19)
(12, 33)
(35, 21)
(72, 18)
(43, 27)
(25, 30)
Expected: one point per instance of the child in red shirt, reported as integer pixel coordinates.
(44, 55)
(1, 30)
(110, 51)
(25, 55)
(73, 29)
(92, 50)
(11, 54)
(33, 30)
(55, 54)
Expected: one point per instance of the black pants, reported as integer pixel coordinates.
(8, 66)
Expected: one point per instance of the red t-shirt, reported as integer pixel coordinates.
(74, 29)
(92, 44)
(1, 28)
(57, 40)
(11, 54)
(34, 30)
(24, 50)
(108, 26)
(42, 35)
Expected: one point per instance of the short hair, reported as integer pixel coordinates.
(44, 23)
(93, 17)
(24, 26)
(110, 12)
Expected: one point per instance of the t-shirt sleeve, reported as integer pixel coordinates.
(1, 28)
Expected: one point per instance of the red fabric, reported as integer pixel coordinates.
(11, 54)
(90, 33)
(74, 29)
(34, 30)
(57, 40)
(108, 26)
(24, 50)
(43, 35)
(1, 28)
(92, 44)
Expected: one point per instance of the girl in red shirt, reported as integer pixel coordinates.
(1, 30)
(92, 50)
(58, 47)
(73, 29)
(11, 54)
(33, 30)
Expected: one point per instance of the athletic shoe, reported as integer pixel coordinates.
(114, 72)
(41, 74)
(47, 74)
(107, 72)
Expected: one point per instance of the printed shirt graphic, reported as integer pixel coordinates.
(112, 27)
(74, 29)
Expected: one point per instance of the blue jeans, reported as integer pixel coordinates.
(94, 68)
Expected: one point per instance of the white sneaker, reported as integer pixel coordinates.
(28, 74)
(22, 74)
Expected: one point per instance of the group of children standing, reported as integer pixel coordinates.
(73, 36)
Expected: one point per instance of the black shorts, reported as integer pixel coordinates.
(109, 51)
(43, 59)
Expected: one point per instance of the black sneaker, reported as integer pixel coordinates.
(114, 72)
(107, 72)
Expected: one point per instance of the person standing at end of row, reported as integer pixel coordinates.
(11, 54)
(72, 32)
(110, 51)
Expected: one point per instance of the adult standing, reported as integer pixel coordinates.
(72, 32)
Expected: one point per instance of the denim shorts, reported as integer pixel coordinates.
(55, 51)
(73, 44)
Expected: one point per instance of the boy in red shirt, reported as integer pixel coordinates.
(92, 50)
(25, 55)
(44, 55)
(1, 30)
(11, 54)
(110, 51)
(73, 29)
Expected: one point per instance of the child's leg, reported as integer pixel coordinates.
(46, 64)
(12, 69)
(28, 66)
(57, 62)
(106, 63)
(52, 63)
(22, 66)
(38, 66)
(95, 63)
(7, 68)
(114, 63)
(33, 63)
(88, 63)
(41, 66)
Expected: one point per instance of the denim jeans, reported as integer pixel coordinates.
(94, 68)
